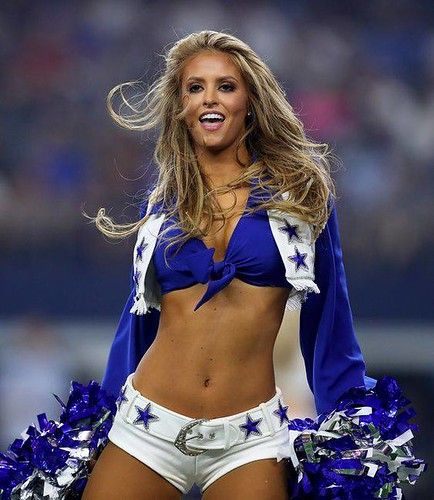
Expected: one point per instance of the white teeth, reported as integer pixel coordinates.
(208, 116)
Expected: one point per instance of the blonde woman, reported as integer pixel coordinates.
(240, 225)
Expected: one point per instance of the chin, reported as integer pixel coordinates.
(214, 148)
(213, 144)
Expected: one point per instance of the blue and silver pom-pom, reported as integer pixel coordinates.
(360, 450)
(52, 462)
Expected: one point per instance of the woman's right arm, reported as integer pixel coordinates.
(134, 335)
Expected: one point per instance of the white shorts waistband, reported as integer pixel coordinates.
(193, 436)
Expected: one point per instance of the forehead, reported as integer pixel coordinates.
(209, 64)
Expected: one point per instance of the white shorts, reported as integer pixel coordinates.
(185, 450)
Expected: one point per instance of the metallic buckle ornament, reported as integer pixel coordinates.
(181, 438)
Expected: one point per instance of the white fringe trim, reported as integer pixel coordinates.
(302, 287)
(139, 306)
(154, 305)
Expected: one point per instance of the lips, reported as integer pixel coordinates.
(211, 127)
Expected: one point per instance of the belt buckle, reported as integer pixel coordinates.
(181, 438)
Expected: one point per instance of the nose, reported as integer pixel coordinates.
(209, 97)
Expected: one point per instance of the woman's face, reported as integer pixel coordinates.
(212, 83)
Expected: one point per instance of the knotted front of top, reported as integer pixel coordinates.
(201, 267)
(251, 256)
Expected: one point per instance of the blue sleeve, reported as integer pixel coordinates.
(332, 355)
(134, 335)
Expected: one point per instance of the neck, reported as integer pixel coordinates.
(221, 167)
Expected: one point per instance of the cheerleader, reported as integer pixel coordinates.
(239, 226)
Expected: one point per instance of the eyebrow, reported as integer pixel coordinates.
(198, 78)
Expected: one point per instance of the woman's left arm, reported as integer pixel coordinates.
(333, 358)
(359, 446)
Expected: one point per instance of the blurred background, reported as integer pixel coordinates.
(361, 77)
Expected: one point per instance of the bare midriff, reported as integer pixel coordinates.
(217, 360)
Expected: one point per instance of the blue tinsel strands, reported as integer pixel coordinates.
(360, 450)
(52, 462)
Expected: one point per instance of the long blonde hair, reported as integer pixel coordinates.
(285, 159)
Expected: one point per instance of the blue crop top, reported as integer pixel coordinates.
(251, 256)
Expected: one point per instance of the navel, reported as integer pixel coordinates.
(206, 382)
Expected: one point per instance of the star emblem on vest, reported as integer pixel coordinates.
(136, 277)
(281, 413)
(290, 230)
(145, 415)
(141, 248)
(298, 259)
(251, 426)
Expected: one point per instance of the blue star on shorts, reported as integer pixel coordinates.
(145, 415)
(251, 426)
(121, 397)
(281, 413)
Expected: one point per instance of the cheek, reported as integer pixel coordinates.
(187, 103)
(238, 106)
(188, 107)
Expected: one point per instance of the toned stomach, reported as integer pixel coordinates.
(218, 360)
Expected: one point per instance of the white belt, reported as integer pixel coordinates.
(200, 434)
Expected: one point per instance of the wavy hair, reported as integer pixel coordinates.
(285, 159)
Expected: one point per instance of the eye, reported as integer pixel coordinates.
(229, 86)
(193, 86)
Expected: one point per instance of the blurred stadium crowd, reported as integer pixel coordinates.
(359, 74)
